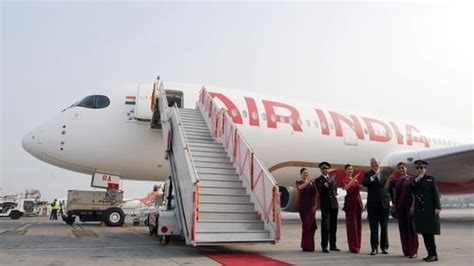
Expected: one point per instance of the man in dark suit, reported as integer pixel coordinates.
(426, 208)
(329, 207)
(378, 206)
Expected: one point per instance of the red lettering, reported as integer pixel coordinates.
(397, 132)
(232, 109)
(323, 121)
(352, 123)
(253, 112)
(419, 138)
(373, 135)
(273, 118)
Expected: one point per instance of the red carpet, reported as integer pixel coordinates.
(246, 259)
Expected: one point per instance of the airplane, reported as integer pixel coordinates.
(111, 134)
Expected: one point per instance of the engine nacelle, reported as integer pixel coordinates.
(289, 197)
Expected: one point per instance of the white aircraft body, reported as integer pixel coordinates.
(111, 134)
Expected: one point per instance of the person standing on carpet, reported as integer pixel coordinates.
(353, 208)
(307, 209)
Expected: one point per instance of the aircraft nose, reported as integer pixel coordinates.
(31, 142)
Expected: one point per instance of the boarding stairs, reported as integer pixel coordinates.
(224, 194)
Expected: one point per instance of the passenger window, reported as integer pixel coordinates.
(273, 118)
(244, 113)
(264, 117)
(254, 115)
(316, 125)
(308, 123)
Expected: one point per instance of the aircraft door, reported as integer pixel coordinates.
(350, 137)
(172, 97)
(142, 107)
(175, 97)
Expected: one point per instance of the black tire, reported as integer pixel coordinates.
(15, 215)
(69, 220)
(113, 217)
(164, 240)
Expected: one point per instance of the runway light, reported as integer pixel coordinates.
(164, 229)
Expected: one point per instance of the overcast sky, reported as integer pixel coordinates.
(404, 60)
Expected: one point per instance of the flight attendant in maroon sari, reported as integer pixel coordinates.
(353, 207)
(403, 201)
(307, 210)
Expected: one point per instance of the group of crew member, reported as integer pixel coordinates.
(415, 200)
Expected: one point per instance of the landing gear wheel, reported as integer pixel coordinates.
(113, 217)
(69, 219)
(15, 215)
(164, 240)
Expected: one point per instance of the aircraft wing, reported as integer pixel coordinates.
(455, 164)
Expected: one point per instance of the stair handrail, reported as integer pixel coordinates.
(167, 112)
(187, 180)
(224, 129)
(182, 163)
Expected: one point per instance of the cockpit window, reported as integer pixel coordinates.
(93, 102)
(102, 101)
(88, 102)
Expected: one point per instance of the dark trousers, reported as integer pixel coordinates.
(430, 245)
(54, 213)
(328, 227)
(378, 215)
(408, 235)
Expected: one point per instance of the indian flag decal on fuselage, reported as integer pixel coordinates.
(131, 100)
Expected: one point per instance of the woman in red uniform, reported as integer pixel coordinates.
(353, 208)
(307, 210)
(403, 201)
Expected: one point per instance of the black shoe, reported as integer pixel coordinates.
(335, 249)
(431, 258)
(384, 251)
(374, 252)
(325, 250)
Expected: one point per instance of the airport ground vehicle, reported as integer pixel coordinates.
(103, 206)
(163, 222)
(11, 209)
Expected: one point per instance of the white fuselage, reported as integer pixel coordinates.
(283, 134)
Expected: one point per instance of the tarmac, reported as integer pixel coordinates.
(40, 241)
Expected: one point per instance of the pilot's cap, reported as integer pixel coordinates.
(324, 163)
(420, 162)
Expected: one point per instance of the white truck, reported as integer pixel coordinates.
(103, 206)
(11, 209)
